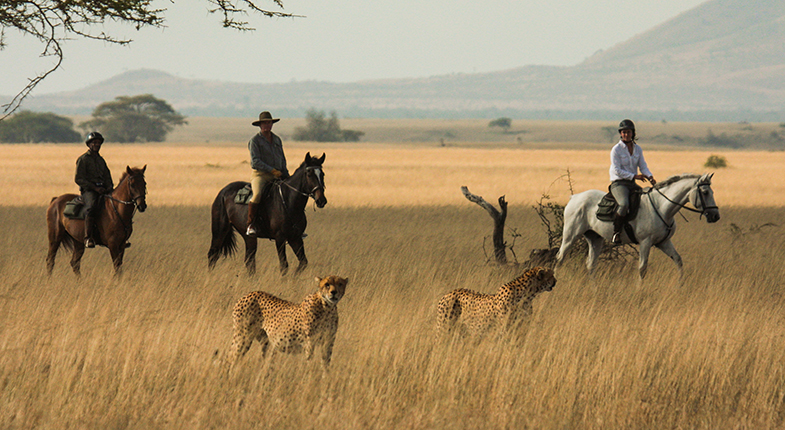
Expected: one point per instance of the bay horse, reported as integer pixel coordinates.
(113, 225)
(654, 224)
(282, 216)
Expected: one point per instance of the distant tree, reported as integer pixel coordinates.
(51, 22)
(715, 162)
(502, 122)
(319, 128)
(141, 118)
(33, 127)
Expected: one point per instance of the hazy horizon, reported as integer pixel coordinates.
(357, 41)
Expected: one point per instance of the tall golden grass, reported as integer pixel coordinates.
(380, 175)
(144, 350)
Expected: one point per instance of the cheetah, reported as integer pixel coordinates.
(475, 313)
(286, 326)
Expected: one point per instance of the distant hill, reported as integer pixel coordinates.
(722, 60)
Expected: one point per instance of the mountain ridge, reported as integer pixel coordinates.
(718, 61)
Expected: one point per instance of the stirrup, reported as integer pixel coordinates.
(89, 243)
(251, 231)
(616, 238)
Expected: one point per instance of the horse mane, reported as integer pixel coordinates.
(125, 173)
(674, 179)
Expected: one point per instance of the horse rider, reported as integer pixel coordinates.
(626, 159)
(268, 163)
(94, 180)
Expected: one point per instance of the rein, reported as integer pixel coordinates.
(296, 190)
(132, 203)
(680, 206)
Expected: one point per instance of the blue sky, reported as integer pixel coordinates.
(348, 41)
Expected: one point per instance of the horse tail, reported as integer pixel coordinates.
(223, 242)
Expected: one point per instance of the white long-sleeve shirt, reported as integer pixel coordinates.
(624, 165)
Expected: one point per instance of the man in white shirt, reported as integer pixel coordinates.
(626, 159)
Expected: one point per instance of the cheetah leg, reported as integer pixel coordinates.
(264, 341)
(327, 349)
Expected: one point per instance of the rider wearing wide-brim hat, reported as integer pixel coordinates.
(626, 159)
(94, 179)
(268, 163)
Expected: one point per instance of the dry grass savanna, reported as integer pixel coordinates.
(144, 350)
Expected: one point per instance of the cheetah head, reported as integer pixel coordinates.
(331, 288)
(544, 279)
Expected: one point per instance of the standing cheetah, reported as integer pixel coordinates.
(475, 313)
(286, 326)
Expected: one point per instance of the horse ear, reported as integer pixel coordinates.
(711, 175)
(307, 156)
(144, 168)
(321, 159)
(128, 170)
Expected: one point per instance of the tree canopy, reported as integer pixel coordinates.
(319, 128)
(128, 119)
(34, 127)
(52, 22)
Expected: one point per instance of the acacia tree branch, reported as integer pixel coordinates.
(52, 22)
(499, 218)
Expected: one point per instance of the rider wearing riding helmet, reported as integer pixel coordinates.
(94, 180)
(626, 159)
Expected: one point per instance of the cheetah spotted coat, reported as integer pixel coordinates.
(286, 326)
(473, 313)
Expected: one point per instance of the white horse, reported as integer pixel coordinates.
(654, 224)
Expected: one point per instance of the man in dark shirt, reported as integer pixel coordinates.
(94, 180)
(267, 163)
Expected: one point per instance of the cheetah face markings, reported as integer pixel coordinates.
(332, 288)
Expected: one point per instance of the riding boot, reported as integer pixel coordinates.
(618, 224)
(89, 226)
(252, 209)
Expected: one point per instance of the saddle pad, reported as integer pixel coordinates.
(607, 206)
(74, 209)
(244, 194)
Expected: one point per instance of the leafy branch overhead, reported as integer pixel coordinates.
(53, 22)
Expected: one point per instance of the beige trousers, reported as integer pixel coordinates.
(258, 181)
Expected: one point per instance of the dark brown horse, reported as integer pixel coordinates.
(113, 225)
(282, 216)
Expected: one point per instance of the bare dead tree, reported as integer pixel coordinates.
(52, 22)
(499, 218)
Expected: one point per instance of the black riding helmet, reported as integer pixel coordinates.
(627, 124)
(94, 135)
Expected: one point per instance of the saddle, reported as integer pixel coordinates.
(606, 209)
(244, 194)
(75, 208)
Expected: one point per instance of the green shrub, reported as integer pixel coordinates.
(34, 127)
(715, 162)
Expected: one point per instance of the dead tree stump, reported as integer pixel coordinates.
(499, 217)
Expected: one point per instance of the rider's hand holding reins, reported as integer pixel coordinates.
(277, 173)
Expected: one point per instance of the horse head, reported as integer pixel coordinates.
(137, 186)
(314, 178)
(703, 198)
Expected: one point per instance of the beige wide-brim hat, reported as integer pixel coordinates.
(265, 117)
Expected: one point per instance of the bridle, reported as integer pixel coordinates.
(681, 205)
(311, 194)
(133, 202)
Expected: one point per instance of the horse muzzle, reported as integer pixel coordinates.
(320, 199)
(142, 206)
(712, 215)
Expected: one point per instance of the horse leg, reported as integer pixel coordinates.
(667, 247)
(566, 243)
(250, 254)
(54, 246)
(596, 243)
(643, 250)
(299, 250)
(280, 246)
(117, 252)
(76, 258)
